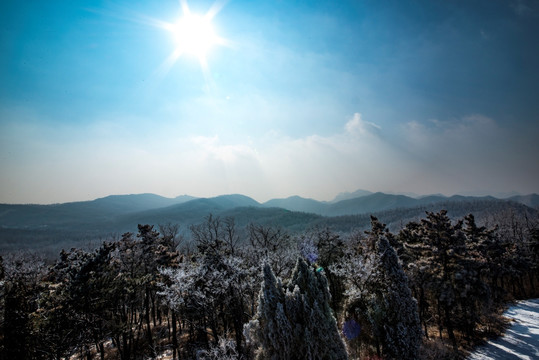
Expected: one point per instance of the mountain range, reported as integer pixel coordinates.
(88, 220)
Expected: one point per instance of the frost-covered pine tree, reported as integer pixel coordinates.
(310, 292)
(401, 327)
(270, 332)
(380, 299)
(295, 321)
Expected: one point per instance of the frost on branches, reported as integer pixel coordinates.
(380, 300)
(295, 321)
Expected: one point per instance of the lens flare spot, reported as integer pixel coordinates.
(194, 35)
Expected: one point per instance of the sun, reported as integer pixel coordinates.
(194, 35)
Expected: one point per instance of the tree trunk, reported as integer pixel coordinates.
(439, 320)
(154, 317)
(422, 311)
(148, 325)
(174, 336)
(238, 328)
(102, 350)
(449, 326)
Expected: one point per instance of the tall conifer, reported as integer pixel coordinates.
(295, 321)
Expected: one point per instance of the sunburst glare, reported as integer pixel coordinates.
(195, 36)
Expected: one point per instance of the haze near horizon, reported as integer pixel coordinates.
(267, 99)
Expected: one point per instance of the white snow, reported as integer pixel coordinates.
(521, 340)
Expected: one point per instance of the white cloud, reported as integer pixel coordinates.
(454, 133)
(472, 153)
(211, 148)
(61, 164)
(358, 126)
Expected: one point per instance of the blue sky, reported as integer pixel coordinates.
(304, 97)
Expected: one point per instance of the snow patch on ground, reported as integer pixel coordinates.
(521, 340)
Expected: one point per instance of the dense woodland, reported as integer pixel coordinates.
(429, 290)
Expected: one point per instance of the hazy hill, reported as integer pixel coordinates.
(234, 200)
(369, 203)
(116, 210)
(297, 203)
(531, 200)
(71, 224)
(291, 220)
(82, 212)
(366, 203)
(65, 225)
(137, 202)
(350, 195)
(186, 213)
(485, 210)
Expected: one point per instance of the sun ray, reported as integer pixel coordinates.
(194, 36)
(167, 64)
(207, 75)
(216, 8)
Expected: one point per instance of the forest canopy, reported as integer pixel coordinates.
(432, 289)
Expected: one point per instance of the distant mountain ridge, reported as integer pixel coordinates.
(351, 195)
(82, 211)
(71, 223)
(531, 200)
(375, 202)
(116, 208)
(297, 203)
(139, 202)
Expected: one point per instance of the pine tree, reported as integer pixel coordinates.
(270, 330)
(402, 330)
(380, 299)
(321, 335)
(20, 289)
(295, 321)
